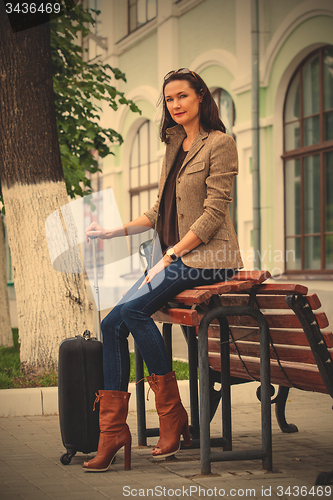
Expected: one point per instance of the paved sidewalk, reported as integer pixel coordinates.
(31, 447)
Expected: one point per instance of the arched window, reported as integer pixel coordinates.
(308, 165)
(226, 108)
(144, 176)
(227, 114)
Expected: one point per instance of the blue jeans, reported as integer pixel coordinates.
(133, 314)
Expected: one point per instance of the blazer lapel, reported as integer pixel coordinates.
(197, 144)
(177, 136)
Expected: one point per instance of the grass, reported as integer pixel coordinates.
(11, 376)
(180, 368)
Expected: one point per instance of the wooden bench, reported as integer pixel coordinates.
(300, 353)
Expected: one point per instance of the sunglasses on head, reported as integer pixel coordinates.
(181, 71)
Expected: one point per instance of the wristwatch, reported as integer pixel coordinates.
(171, 253)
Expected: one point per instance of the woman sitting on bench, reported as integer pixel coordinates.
(199, 246)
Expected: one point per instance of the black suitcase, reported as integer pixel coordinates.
(80, 377)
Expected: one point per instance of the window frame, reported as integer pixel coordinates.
(151, 186)
(233, 211)
(301, 153)
(129, 7)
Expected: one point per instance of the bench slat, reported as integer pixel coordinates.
(277, 320)
(217, 288)
(284, 353)
(243, 280)
(282, 289)
(190, 317)
(186, 317)
(258, 276)
(267, 301)
(304, 376)
(286, 337)
(240, 286)
(191, 297)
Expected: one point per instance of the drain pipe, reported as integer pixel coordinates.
(255, 134)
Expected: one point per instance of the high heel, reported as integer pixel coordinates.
(114, 432)
(186, 434)
(128, 455)
(172, 415)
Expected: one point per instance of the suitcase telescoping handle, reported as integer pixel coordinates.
(99, 333)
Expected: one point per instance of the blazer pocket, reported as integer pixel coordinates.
(196, 167)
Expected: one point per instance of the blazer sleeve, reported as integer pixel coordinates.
(223, 168)
(153, 212)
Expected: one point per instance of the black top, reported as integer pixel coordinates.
(170, 232)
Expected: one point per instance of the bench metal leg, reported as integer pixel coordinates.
(167, 337)
(280, 408)
(265, 454)
(204, 397)
(192, 343)
(193, 379)
(225, 383)
(140, 398)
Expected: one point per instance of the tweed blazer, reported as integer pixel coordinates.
(203, 189)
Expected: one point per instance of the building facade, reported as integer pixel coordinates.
(148, 38)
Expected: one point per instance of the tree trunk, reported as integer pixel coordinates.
(6, 337)
(51, 305)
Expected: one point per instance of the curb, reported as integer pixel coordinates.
(41, 401)
(28, 402)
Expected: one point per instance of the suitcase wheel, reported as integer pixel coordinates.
(66, 458)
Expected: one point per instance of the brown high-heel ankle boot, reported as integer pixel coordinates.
(114, 432)
(172, 414)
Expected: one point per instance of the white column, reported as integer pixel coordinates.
(167, 38)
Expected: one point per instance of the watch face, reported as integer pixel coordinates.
(171, 253)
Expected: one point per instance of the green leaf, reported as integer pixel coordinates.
(80, 87)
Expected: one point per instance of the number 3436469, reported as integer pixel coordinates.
(32, 8)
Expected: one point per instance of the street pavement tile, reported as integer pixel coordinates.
(57, 492)
(35, 495)
(93, 495)
(10, 496)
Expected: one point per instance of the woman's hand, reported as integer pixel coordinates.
(94, 230)
(161, 264)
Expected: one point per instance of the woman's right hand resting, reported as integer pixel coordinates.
(94, 230)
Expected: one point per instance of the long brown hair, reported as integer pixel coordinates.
(209, 113)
